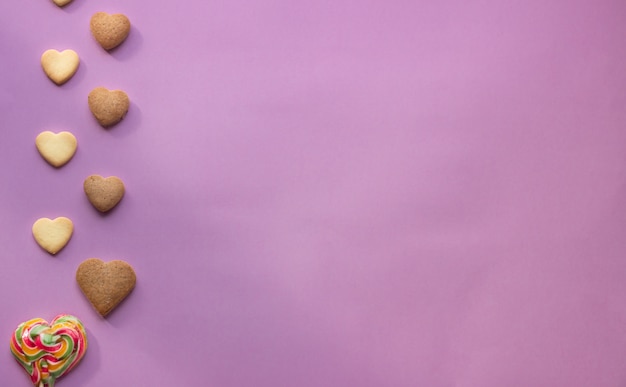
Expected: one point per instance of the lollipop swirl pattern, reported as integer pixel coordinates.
(49, 351)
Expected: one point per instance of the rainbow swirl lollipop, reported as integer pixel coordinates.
(49, 351)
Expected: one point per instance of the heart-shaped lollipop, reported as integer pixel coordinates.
(49, 351)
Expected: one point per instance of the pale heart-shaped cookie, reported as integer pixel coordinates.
(53, 235)
(60, 66)
(109, 30)
(49, 351)
(104, 193)
(61, 3)
(105, 284)
(57, 149)
(108, 106)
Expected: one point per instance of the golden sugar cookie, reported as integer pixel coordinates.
(61, 3)
(56, 148)
(53, 235)
(60, 66)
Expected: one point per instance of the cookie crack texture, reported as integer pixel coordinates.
(104, 193)
(109, 30)
(108, 106)
(105, 284)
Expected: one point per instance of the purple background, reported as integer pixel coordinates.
(329, 193)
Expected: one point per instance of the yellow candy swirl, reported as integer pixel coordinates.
(49, 351)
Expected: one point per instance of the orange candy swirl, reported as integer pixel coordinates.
(49, 351)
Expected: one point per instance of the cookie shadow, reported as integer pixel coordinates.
(73, 6)
(130, 123)
(89, 365)
(124, 311)
(80, 75)
(110, 212)
(130, 47)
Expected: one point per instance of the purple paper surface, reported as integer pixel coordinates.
(328, 193)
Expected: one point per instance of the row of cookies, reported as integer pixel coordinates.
(47, 351)
(109, 108)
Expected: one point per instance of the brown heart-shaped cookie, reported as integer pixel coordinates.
(105, 284)
(109, 30)
(108, 106)
(104, 193)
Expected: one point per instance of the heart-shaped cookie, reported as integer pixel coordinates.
(61, 3)
(60, 66)
(108, 106)
(53, 235)
(104, 193)
(56, 148)
(109, 30)
(49, 351)
(105, 284)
